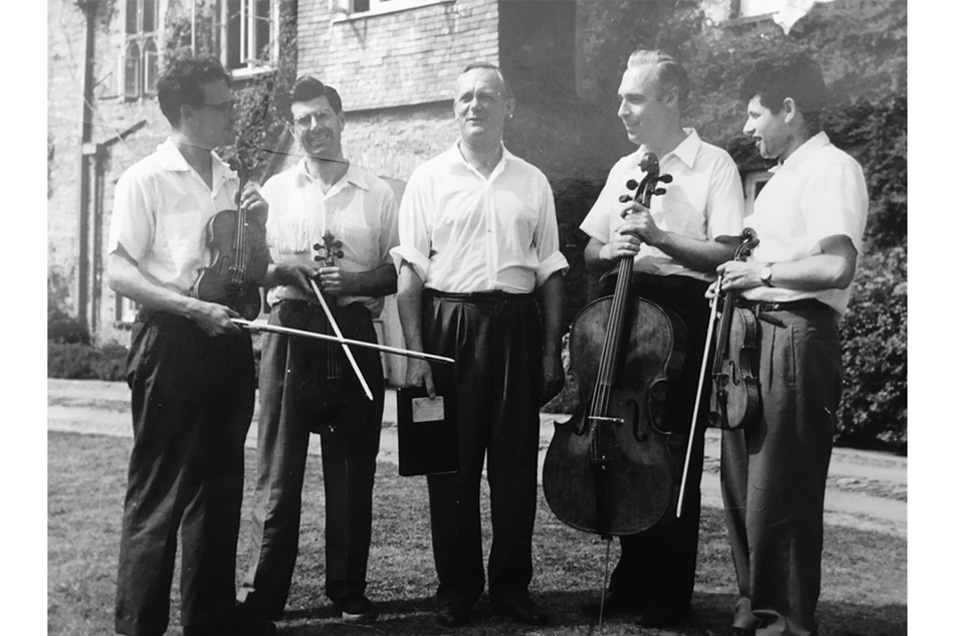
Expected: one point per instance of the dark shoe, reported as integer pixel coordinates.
(357, 609)
(244, 625)
(662, 615)
(614, 603)
(453, 615)
(522, 610)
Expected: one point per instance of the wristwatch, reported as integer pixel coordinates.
(766, 275)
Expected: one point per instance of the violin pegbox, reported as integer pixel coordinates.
(329, 249)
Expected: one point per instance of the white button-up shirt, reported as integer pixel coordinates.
(359, 210)
(703, 201)
(463, 232)
(161, 211)
(818, 192)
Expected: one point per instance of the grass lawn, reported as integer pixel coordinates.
(864, 585)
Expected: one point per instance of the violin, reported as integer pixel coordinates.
(608, 469)
(734, 399)
(239, 257)
(343, 393)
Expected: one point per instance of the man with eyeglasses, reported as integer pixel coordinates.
(190, 369)
(322, 195)
(479, 250)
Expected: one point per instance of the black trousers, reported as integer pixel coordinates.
(496, 343)
(192, 402)
(290, 400)
(659, 564)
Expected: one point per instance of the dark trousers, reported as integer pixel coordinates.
(774, 473)
(291, 407)
(659, 564)
(496, 343)
(192, 402)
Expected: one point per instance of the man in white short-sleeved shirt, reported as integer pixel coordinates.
(190, 369)
(479, 247)
(675, 245)
(810, 218)
(322, 196)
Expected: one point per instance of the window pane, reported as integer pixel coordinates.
(132, 16)
(150, 15)
(262, 26)
(360, 6)
(233, 34)
(150, 67)
(131, 74)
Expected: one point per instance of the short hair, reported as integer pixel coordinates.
(183, 81)
(799, 78)
(669, 73)
(307, 88)
(493, 67)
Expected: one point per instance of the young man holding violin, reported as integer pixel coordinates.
(676, 244)
(307, 386)
(810, 218)
(190, 369)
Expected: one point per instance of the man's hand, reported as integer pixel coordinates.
(741, 275)
(214, 319)
(419, 374)
(336, 281)
(639, 222)
(251, 201)
(551, 382)
(296, 274)
(623, 244)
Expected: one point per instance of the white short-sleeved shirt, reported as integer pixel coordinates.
(703, 201)
(818, 192)
(359, 210)
(161, 211)
(464, 233)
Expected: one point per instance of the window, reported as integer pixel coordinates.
(343, 9)
(126, 310)
(140, 67)
(249, 33)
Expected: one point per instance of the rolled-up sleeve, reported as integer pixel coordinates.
(547, 238)
(414, 228)
(133, 224)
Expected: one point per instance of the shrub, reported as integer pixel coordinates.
(80, 361)
(874, 406)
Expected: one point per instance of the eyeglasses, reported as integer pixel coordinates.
(225, 107)
(307, 121)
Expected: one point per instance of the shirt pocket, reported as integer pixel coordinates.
(291, 236)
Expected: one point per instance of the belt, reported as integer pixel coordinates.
(491, 296)
(804, 304)
(653, 280)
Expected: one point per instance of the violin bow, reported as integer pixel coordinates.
(288, 331)
(347, 349)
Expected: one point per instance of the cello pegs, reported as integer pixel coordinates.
(624, 198)
(631, 184)
(659, 191)
(665, 178)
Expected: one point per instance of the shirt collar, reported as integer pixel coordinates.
(804, 152)
(170, 158)
(355, 175)
(686, 151)
(455, 157)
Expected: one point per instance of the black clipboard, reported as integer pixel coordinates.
(427, 432)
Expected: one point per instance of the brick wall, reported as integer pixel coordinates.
(396, 59)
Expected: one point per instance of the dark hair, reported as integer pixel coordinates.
(669, 73)
(496, 69)
(181, 84)
(799, 78)
(307, 88)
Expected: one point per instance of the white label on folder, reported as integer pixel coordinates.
(427, 409)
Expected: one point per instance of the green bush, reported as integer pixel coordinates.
(874, 406)
(81, 361)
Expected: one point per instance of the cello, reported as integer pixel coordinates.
(239, 257)
(608, 469)
(734, 399)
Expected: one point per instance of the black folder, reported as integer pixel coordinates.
(427, 432)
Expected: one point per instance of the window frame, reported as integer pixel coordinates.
(248, 38)
(343, 10)
(145, 81)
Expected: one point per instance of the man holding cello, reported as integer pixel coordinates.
(190, 368)
(810, 218)
(676, 245)
(331, 227)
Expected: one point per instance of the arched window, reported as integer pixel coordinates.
(141, 56)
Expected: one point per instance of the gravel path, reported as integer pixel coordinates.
(866, 490)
